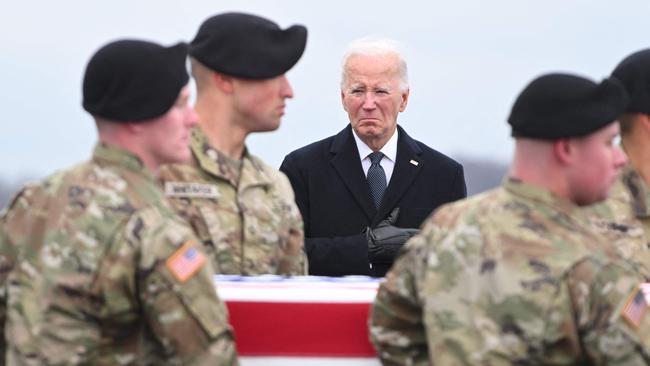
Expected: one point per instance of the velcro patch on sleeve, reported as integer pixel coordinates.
(185, 261)
(635, 308)
(190, 189)
(645, 288)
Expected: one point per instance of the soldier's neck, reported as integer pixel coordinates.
(639, 155)
(122, 140)
(533, 163)
(223, 133)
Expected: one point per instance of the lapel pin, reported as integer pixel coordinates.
(414, 162)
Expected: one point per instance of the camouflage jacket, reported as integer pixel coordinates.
(624, 218)
(98, 270)
(514, 276)
(250, 225)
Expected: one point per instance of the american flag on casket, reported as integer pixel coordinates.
(300, 320)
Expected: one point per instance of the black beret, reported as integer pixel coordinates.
(634, 73)
(132, 80)
(556, 106)
(247, 46)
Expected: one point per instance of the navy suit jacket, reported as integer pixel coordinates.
(334, 199)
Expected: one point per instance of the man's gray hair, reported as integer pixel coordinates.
(371, 46)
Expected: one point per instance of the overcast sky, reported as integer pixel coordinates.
(467, 61)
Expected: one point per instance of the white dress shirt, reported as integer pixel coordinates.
(387, 162)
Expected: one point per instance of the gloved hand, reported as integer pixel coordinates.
(385, 240)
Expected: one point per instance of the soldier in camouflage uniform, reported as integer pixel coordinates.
(517, 276)
(97, 268)
(625, 217)
(242, 209)
(621, 218)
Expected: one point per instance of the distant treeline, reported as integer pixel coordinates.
(480, 176)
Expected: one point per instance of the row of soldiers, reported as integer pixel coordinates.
(549, 268)
(111, 262)
(103, 264)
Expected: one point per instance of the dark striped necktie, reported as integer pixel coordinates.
(376, 177)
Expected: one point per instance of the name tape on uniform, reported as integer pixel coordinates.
(190, 189)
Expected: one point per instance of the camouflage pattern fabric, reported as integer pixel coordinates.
(514, 276)
(624, 218)
(98, 270)
(248, 221)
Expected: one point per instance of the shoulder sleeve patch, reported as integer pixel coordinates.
(185, 261)
(635, 307)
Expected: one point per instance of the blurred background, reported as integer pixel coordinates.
(468, 59)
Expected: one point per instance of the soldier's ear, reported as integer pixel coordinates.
(223, 82)
(644, 122)
(134, 128)
(563, 151)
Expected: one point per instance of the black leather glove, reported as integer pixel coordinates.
(385, 240)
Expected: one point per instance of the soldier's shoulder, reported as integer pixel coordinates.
(23, 198)
(102, 191)
(462, 220)
(617, 207)
(155, 229)
(483, 219)
(259, 163)
(88, 175)
(587, 269)
(274, 175)
(609, 282)
(180, 172)
(34, 190)
(466, 209)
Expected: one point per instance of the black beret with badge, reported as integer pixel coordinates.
(634, 73)
(134, 80)
(247, 46)
(555, 106)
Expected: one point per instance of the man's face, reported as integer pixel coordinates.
(372, 97)
(260, 103)
(168, 135)
(597, 165)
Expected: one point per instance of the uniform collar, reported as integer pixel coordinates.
(542, 196)
(208, 158)
(113, 155)
(638, 189)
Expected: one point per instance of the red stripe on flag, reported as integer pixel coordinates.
(301, 329)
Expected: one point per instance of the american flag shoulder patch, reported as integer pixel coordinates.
(185, 261)
(635, 308)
